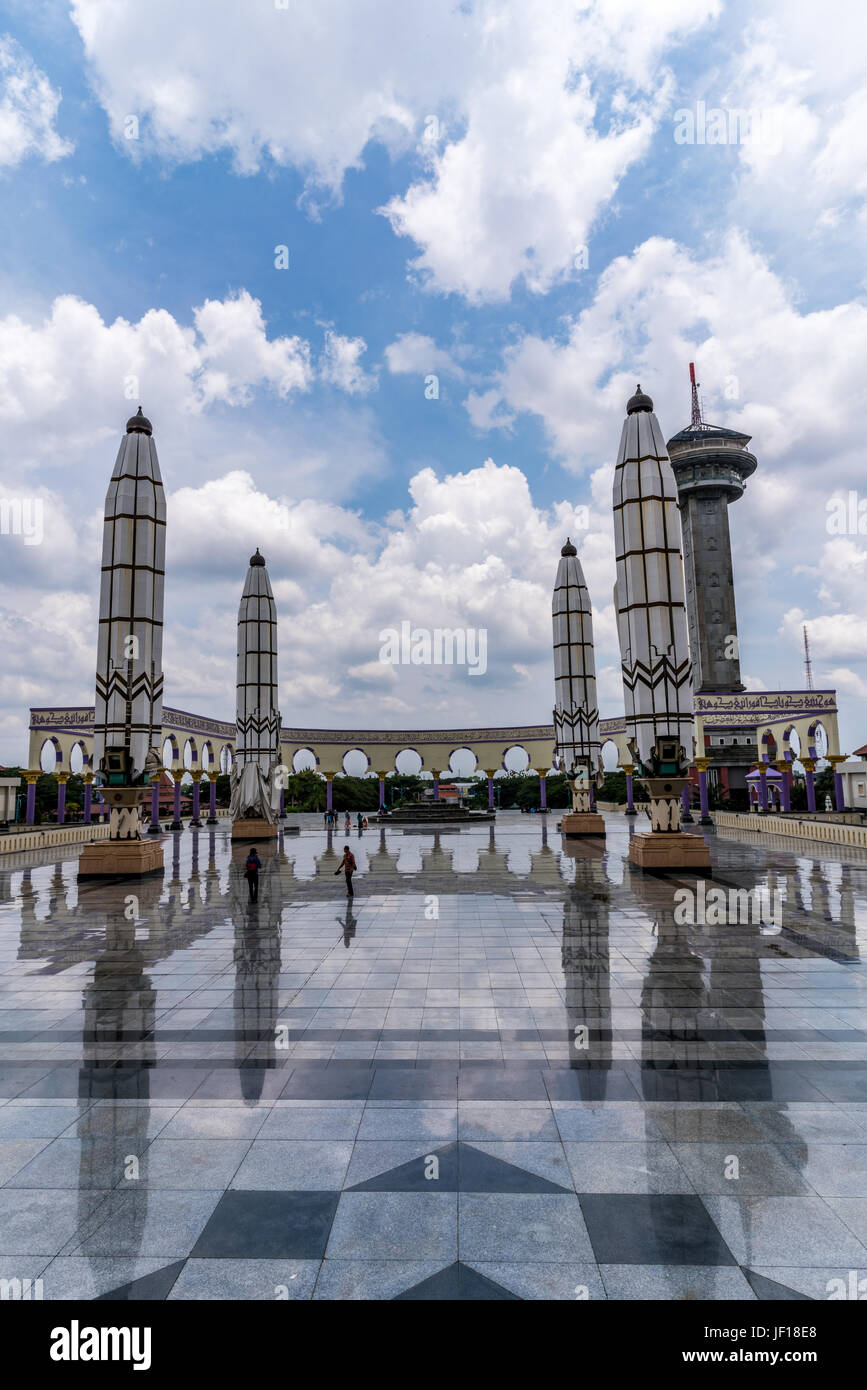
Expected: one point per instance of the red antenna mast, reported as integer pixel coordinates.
(808, 665)
(696, 421)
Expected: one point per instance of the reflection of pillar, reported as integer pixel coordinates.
(32, 779)
(839, 795)
(176, 822)
(88, 794)
(212, 784)
(197, 777)
(686, 813)
(490, 777)
(702, 764)
(282, 803)
(543, 790)
(763, 786)
(809, 765)
(154, 827)
(630, 805)
(436, 783)
(785, 789)
(62, 779)
(329, 791)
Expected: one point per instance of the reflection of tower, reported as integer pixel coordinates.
(257, 970)
(587, 971)
(711, 466)
(118, 1050)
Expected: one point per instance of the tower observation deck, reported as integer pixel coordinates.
(711, 465)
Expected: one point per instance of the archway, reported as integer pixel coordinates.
(462, 762)
(769, 746)
(208, 757)
(50, 755)
(304, 760)
(227, 757)
(516, 758)
(78, 759)
(408, 762)
(818, 738)
(170, 751)
(610, 756)
(191, 754)
(355, 763)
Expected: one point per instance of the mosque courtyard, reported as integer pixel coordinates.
(508, 1069)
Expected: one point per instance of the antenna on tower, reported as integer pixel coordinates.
(696, 421)
(808, 665)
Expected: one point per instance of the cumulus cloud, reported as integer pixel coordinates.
(28, 109)
(418, 354)
(340, 364)
(524, 118)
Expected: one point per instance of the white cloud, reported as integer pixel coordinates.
(418, 354)
(28, 109)
(536, 110)
(340, 364)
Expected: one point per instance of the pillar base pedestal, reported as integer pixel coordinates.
(120, 859)
(155, 829)
(630, 811)
(582, 823)
(705, 820)
(687, 818)
(663, 850)
(253, 828)
(176, 825)
(212, 820)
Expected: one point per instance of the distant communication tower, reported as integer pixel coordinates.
(808, 665)
(696, 423)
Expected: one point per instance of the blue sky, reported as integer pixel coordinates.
(289, 405)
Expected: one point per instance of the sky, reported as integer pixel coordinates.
(383, 274)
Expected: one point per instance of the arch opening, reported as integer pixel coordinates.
(408, 762)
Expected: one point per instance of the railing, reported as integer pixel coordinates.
(35, 838)
(829, 831)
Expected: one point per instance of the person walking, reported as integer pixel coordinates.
(360, 820)
(347, 864)
(251, 871)
(347, 824)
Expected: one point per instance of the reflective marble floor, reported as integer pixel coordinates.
(501, 1071)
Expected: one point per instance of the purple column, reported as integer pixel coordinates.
(282, 801)
(436, 787)
(763, 788)
(176, 822)
(703, 798)
(592, 797)
(329, 794)
(382, 791)
(490, 793)
(838, 790)
(630, 807)
(212, 810)
(543, 792)
(811, 789)
(196, 794)
(88, 794)
(785, 791)
(154, 827)
(61, 802)
(30, 815)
